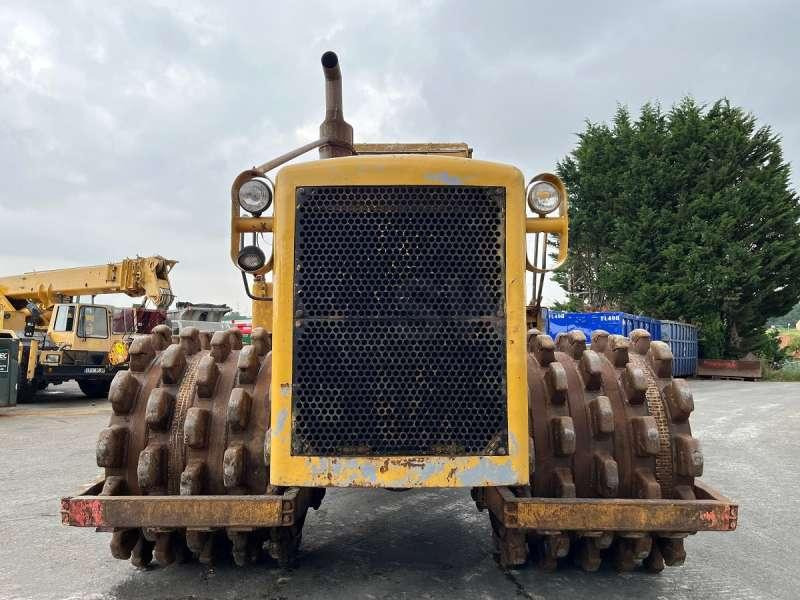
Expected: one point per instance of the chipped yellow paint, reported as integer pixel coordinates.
(262, 309)
(405, 471)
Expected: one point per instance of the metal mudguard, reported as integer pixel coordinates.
(710, 511)
(88, 509)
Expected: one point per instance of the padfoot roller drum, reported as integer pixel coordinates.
(191, 418)
(391, 350)
(608, 422)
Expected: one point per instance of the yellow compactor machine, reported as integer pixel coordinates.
(391, 350)
(65, 339)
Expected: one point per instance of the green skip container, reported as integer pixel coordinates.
(9, 365)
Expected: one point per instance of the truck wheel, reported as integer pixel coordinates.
(93, 388)
(25, 392)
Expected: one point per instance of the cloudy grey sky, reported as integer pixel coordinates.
(122, 124)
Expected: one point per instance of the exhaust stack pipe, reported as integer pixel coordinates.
(337, 133)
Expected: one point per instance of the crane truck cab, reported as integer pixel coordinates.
(84, 342)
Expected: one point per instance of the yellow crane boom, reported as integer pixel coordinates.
(135, 277)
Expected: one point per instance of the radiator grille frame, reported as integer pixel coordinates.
(412, 470)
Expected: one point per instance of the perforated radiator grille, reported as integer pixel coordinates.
(399, 328)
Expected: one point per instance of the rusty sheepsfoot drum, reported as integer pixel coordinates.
(185, 422)
(608, 422)
(392, 348)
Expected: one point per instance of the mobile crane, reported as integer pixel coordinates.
(65, 339)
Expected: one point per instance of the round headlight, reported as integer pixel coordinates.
(543, 197)
(255, 196)
(251, 258)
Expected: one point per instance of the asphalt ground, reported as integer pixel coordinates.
(416, 544)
